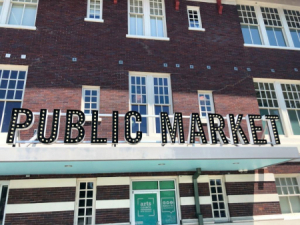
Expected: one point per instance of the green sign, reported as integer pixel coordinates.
(145, 209)
(168, 207)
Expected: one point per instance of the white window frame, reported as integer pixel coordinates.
(13, 67)
(88, 117)
(6, 183)
(283, 110)
(88, 19)
(146, 22)
(297, 176)
(94, 180)
(5, 14)
(166, 178)
(262, 27)
(151, 131)
(195, 8)
(222, 178)
(203, 119)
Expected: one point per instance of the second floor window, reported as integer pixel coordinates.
(150, 94)
(18, 12)
(12, 86)
(206, 103)
(94, 10)
(194, 17)
(146, 18)
(293, 21)
(90, 99)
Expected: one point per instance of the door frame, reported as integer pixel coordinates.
(167, 178)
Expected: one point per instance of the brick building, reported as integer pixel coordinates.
(209, 60)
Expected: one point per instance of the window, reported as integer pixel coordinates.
(282, 99)
(94, 10)
(293, 21)
(154, 202)
(291, 95)
(90, 99)
(267, 102)
(249, 24)
(289, 194)
(3, 199)
(194, 18)
(273, 26)
(86, 202)
(12, 86)
(205, 103)
(18, 13)
(217, 193)
(150, 94)
(267, 26)
(146, 18)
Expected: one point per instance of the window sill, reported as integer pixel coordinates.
(18, 27)
(148, 37)
(196, 29)
(271, 47)
(88, 118)
(93, 20)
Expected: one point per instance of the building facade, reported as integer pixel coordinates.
(87, 161)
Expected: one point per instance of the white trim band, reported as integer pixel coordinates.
(253, 198)
(40, 207)
(112, 204)
(204, 200)
(250, 177)
(42, 183)
(189, 179)
(107, 181)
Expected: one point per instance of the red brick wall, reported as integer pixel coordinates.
(291, 167)
(54, 81)
(121, 215)
(41, 195)
(189, 211)
(45, 218)
(247, 188)
(254, 209)
(186, 190)
(112, 192)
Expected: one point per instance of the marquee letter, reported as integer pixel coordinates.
(212, 130)
(252, 129)
(43, 123)
(70, 126)
(274, 136)
(195, 121)
(139, 134)
(235, 130)
(115, 127)
(14, 125)
(165, 123)
(94, 134)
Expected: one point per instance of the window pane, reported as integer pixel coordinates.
(296, 37)
(160, 28)
(153, 26)
(284, 205)
(140, 28)
(168, 207)
(279, 37)
(144, 185)
(294, 121)
(295, 202)
(29, 15)
(166, 184)
(2, 202)
(255, 35)
(278, 122)
(133, 25)
(271, 36)
(16, 14)
(7, 114)
(246, 34)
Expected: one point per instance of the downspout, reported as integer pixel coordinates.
(196, 193)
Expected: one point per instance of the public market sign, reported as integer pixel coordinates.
(196, 131)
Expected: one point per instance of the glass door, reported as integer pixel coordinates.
(146, 209)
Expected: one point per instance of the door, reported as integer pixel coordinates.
(146, 209)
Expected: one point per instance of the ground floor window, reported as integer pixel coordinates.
(154, 202)
(3, 198)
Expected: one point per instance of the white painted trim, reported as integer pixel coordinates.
(148, 37)
(204, 200)
(13, 67)
(225, 2)
(271, 47)
(249, 177)
(17, 27)
(113, 204)
(196, 29)
(42, 183)
(189, 179)
(93, 20)
(107, 181)
(40, 207)
(257, 218)
(253, 198)
(88, 12)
